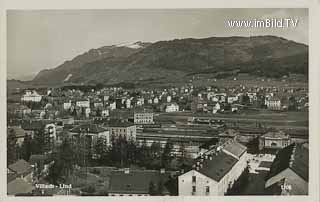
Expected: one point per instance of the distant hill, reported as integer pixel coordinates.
(177, 59)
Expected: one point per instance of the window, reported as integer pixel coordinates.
(194, 189)
(194, 179)
(207, 189)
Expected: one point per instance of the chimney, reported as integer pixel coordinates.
(127, 170)
(162, 170)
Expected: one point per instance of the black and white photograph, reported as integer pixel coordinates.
(157, 102)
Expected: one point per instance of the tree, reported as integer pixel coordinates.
(152, 189)
(292, 104)
(63, 163)
(66, 156)
(26, 148)
(245, 99)
(160, 188)
(11, 146)
(101, 150)
(166, 155)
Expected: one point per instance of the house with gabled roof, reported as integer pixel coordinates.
(289, 172)
(22, 169)
(214, 174)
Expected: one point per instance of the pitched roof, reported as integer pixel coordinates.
(39, 159)
(19, 132)
(295, 157)
(11, 177)
(20, 167)
(218, 167)
(118, 123)
(19, 186)
(33, 125)
(300, 162)
(88, 127)
(276, 134)
(235, 148)
(136, 181)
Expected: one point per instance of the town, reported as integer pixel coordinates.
(96, 140)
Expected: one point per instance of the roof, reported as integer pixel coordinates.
(118, 123)
(136, 181)
(295, 157)
(276, 134)
(19, 186)
(19, 132)
(33, 125)
(11, 177)
(220, 164)
(20, 167)
(300, 163)
(88, 127)
(235, 148)
(39, 159)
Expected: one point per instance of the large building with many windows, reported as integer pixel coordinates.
(142, 117)
(31, 96)
(122, 129)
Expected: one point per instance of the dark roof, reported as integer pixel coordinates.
(11, 177)
(218, 167)
(18, 186)
(300, 163)
(39, 159)
(211, 142)
(235, 148)
(294, 156)
(33, 125)
(19, 132)
(91, 128)
(20, 167)
(118, 123)
(136, 181)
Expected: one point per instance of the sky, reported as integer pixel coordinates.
(44, 39)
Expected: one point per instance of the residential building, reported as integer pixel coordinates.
(216, 172)
(91, 132)
(289, 172)
(84, 103)
(275, 140)
(172, 107)
(31, 96)
(143, 117)
(273, 103)
(67, 105)
(19, 187)
(121, 128)
(22, 169)
(19, 134)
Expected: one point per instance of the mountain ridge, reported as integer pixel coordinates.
(174, 59)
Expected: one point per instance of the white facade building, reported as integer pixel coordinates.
(83, 103)
(214, 174)
(31, 96)
(173, 107)
(143, 117)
